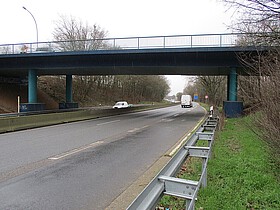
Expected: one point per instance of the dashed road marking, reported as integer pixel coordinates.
(133, 130)
(74, 151)
(166, 120)
(137, 129)
(105, 123)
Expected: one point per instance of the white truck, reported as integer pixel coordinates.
(186, 101)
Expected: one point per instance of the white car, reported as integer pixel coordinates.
(121, 104)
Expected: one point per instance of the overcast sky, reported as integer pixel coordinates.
(121, 18)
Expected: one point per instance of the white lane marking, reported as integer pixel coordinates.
(175, 115)
(57, 157)
(166, 120)
(105, 123)
(137, 129)
(133, 130)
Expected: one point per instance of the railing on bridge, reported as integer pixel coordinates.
(176, 41)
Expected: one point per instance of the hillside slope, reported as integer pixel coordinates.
(10, 92)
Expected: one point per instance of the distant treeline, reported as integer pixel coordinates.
(105, 90)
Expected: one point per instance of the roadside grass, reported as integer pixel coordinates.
(241, 173)
(205, 106)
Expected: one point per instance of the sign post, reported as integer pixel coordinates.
(18, 104)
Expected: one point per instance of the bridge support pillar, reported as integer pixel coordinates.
(32, 86)
(232, 107)
(232, 85)
(69, 104)
(32, 104)
(69, 92)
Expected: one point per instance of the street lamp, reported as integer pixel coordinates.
(34, 21)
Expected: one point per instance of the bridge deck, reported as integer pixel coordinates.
(165, 61)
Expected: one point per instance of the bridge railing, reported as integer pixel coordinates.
(176, 41)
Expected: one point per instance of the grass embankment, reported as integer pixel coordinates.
(241, 173)
(205, 106)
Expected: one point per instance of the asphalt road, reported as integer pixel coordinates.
(86, 165)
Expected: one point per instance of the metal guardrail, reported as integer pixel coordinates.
(16, 114)
(175, 41)
(166, 183)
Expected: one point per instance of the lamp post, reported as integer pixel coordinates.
(34, 21)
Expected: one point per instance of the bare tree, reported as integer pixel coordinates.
(261, 91)
(212, 86)
(73, 34)
(192, 88)
(178, 96)
(262, 94)
(258, 12)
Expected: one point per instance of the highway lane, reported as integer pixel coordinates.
(85, 165)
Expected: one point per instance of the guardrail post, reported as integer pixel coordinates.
(204, 176)
(204, 153)
(188, 203)
(180, 188)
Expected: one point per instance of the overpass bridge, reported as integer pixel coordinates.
(208, 54)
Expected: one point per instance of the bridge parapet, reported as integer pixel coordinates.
(149, 42)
